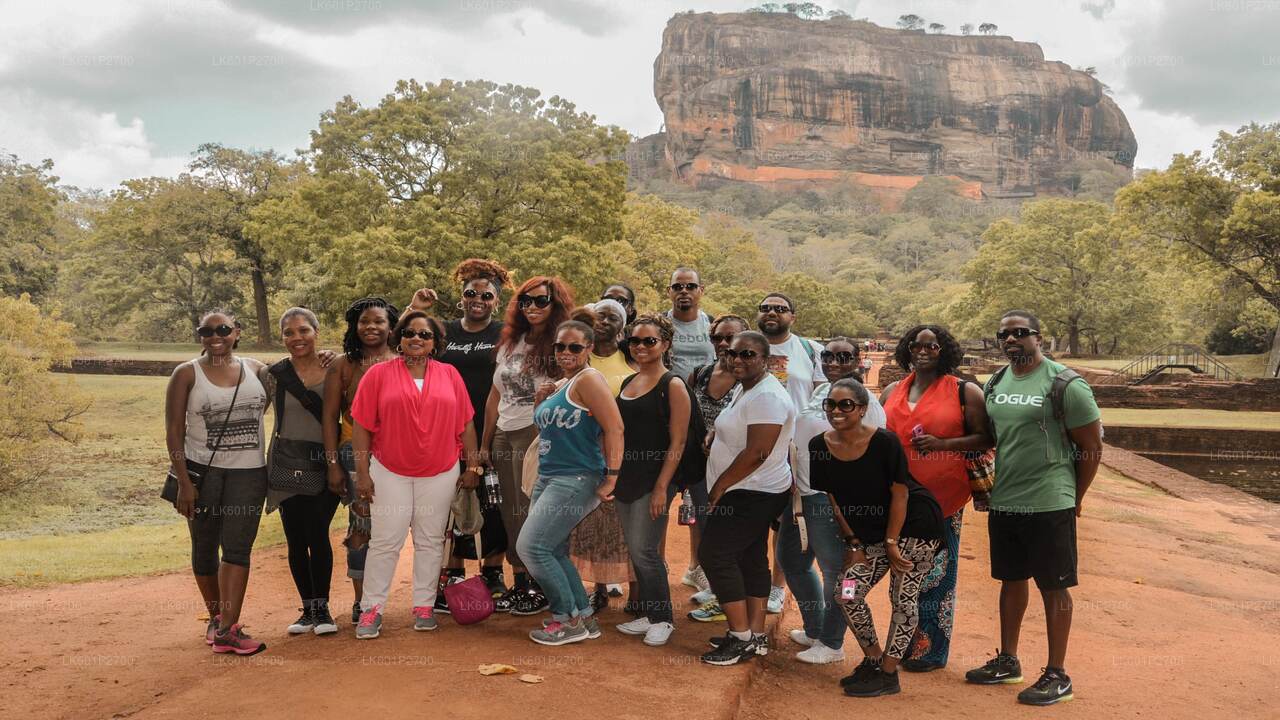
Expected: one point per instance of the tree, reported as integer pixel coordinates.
(806, 10)
(765, 8)
(988, 28)
(29, 227)
(966, 29)
(834, 14)
(936, 27)
(1224, 209)
(910, 22)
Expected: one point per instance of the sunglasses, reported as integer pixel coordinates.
(1019, 333)
(918, 346)
(206, 331)
(680, 287)
(743, 354)
(407, 333)
(574, 348)
(536, 300)
(845, 406)
(843, 356)
(633, 341)
(717, 339)
(624, 302)
(779, 309)
(471, 293)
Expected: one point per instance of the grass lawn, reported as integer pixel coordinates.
(1192, 418)
(162, 351)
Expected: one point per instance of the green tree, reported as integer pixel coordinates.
(29, 227)
(936, 27)
(966, 29)
(910, 21)
(988, 28)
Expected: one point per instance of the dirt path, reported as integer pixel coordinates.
(1169, 588)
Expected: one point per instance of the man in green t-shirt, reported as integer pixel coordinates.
(1044, 465)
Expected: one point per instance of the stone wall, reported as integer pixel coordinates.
(84, 366)
(1209, 441)
(1259, 394)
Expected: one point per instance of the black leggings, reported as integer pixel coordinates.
(306, 521)
(734, 550)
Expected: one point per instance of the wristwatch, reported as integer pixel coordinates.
(611, 472)
(477, 469)
(891, 541)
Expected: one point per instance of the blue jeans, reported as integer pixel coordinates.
(556, 505)
(823, 619)
(644, 540)
(355, 558)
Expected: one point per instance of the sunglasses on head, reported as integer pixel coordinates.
(844, 405)
(843, 356)
(1018, 332)
(743, 354)
(918, 346)
(471, 293)
(421, 334)
(716, 339)
(634, 341)
(779, 309)
(536, 300)
(206, 331)
(624, 302)
(680, 287)
(574, 348)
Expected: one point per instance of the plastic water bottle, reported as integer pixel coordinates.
(688, 514)
(492, 490)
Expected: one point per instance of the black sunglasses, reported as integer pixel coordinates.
(845, 405)
(538, 300)
(624, 302)
(743, 354)
(407, 333)
(1019, 332)
(574, 348)
(678, 287)
(206, 331)
(843, 356)
(485, 296)
(918, 346)
(720, 338)
(633, 341)
(779, 309)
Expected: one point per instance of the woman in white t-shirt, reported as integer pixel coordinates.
(749, 483)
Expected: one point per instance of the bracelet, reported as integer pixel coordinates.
(611, 472)
(891, 541)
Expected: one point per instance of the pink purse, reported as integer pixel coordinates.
(470, 601)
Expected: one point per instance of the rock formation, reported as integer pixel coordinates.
(774, 98)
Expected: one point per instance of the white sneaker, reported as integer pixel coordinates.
(819, 654)
(777, 596)
(639, 626)
(800, 638)
(658, 633)
(697, 579)
(702, 597)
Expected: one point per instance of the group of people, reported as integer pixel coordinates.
(594, 419)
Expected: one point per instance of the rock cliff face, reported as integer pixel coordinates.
(773, 98)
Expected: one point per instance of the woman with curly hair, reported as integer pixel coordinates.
(525, 364)
(937, 417)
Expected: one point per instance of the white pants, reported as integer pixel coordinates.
(400, 503)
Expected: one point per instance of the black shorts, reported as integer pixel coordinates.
(1034, 545)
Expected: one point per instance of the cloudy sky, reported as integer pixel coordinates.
(112, 89)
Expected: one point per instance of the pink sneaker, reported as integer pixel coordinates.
(212, 630)
(424, 618)
(370, 625)
(237, 641)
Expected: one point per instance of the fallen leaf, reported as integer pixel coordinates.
(496, 669)
(531, 679)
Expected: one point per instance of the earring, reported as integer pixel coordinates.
(459, 304)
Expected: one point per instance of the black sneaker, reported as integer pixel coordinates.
(504, 602)
(304, 623)
(874, 683)
(760, 642)
(916, 665)
(864, 668)
(599, 600)
(441, 605)
(1053, 687)
(355, 612)
(1000, 670)
(324, 624)
(530, 602)
(493, 580)
(730, 651)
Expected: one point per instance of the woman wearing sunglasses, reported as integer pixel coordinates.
(525, 363)
(936, 425)
(815, 591)
(573, 478)
(889, 522)
(412, 424)
(213, 422)
(749, 479)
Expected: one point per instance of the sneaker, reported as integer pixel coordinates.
(355, 612)
(493, 580)
(1053, 687)
(1001, 669)
(304, 623)
(702, 597)
(599, 600)
(696, 579)
(442, 603)
(730, 651)
(369, 625)
(593, 628)
(874, 683)
(916, 665)
(761, 643)
(658, 634)
(709, 612)
(820, 654)
(529, 602)
(558, 633)
(324, 621)
(424, 619)
(236, 640)
(504, 602)
(868, 665)
(777, 596)
(639, 626)
(615, 590)
(799, 637)
(211, 629)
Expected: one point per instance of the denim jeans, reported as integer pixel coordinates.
(355, 558)
(557, 504)
(823, 619)
(644, 540)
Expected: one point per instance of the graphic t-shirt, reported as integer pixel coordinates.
(765, 404)
(1035, 466)
(516, 387)
(796, 368)
(614, 368)
(691, 345)
(473, 356)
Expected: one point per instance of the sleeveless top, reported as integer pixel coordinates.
(938, 412)
(569, 437)
(299, 423)
(710, 407)
(241, 445)
(647, 426)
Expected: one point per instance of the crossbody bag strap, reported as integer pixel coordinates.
(217, 444)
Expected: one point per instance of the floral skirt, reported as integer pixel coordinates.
(598, 550)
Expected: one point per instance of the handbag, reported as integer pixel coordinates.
(980, 466)
(470, 601)
(196, 471)
(295, 466)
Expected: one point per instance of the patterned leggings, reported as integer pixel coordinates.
(904, 593)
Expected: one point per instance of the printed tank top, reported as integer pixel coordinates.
(569, 437)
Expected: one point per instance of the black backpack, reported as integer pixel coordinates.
(693, 463)
(1057, 398)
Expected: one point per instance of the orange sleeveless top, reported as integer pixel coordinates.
(939, 413)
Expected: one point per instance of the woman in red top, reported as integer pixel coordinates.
(924, 410)
(412, 423)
